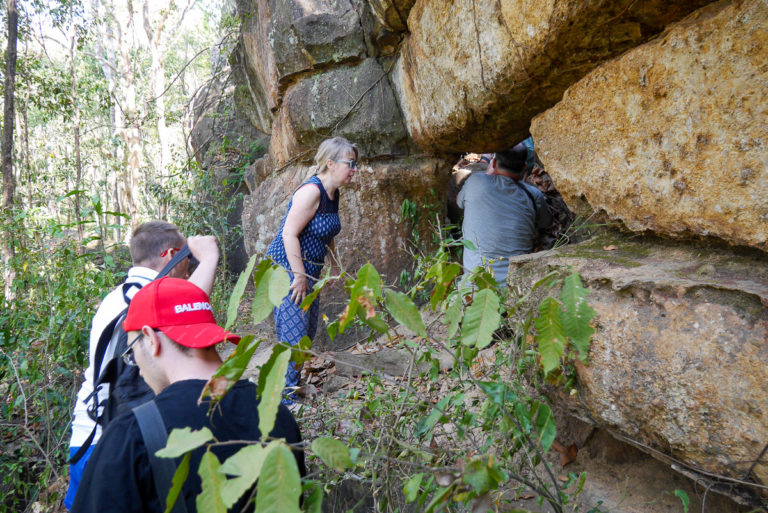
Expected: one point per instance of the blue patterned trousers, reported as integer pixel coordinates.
(291, 324)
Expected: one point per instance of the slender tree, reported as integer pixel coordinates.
(77, 122)
(7, 144)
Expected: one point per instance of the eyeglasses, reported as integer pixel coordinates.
(351, 163)
(128, 356)
(169, 249)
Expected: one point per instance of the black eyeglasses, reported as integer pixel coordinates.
(128, 357)
(351, 163)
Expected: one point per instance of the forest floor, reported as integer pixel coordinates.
(620, 478)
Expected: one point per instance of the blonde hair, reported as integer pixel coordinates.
(334, 148)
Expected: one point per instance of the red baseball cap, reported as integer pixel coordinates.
(179, 309)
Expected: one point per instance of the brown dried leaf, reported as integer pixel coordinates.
(216, 388)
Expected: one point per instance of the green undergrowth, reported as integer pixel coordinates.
(467, 438)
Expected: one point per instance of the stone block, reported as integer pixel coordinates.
(679, 359)
(356, 102)
(473, 73)
(672, 137)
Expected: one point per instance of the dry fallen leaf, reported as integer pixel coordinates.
(610, 248)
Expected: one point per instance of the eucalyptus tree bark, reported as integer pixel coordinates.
(124, 43)
(7, 146)
(157, 48)
(105, 45)
(76, 129)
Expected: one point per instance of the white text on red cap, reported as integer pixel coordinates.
(192, 307)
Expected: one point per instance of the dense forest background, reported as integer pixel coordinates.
(98, 112)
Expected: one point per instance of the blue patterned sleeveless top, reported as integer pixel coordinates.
(315, 237)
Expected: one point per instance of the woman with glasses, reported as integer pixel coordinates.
(305, 236)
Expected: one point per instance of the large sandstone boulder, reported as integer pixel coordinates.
(369, 210)
(679, 360)
(253, 65)
(280, 40)
(671, 137)
(473, 73)
(356, 102)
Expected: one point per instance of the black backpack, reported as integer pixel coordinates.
(127, 389)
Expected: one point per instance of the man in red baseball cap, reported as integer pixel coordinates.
(172, 334)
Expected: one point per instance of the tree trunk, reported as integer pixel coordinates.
(131, 134)
(76, 106)
(155, 38)
(7, 149)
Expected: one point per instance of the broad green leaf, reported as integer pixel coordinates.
(210, 499)
(375, 323)
(523, 416)
(483, 279)
(184, 440)
(404, 311)
(477, 476)
(426, 424)
(453, 316)
(279, 485)
(314, 500)
(279, 283)
(499, 392)
(231, 370)
(297, 352)
(481, 319)
(367, 279)
(550, 334)
(245, 465)
(333, 330)
(262, 306)
(271, 385)
(545, 424)
(440, 497)
(468, 244)
(577, 314)
(334, 453)
(182, 471)
(70, 193)
(310, 298)
(413, 487)
(443, 276)
(237, 293)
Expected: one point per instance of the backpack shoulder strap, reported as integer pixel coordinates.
(527, 193)
(155, 437)
(178, 257)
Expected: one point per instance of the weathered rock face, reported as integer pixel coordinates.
(369, 210)
(253, 65)
(671, 137)
(392, 14)
(356, 102)
(473, 73)
(679, 359)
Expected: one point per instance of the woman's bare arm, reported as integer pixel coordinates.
(305, 203)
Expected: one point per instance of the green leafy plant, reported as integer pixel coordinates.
(448, 437)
